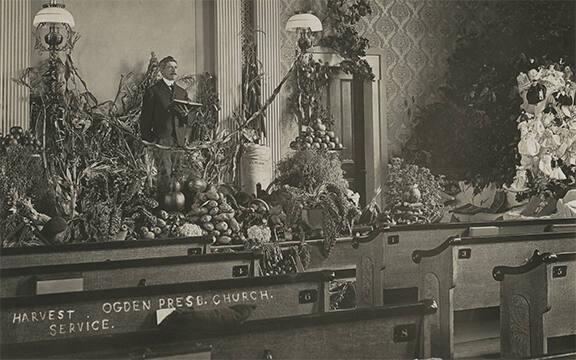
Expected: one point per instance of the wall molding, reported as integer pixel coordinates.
(268, 24)
(228, 58)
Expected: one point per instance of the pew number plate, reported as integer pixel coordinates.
(464, 253)
(307, 296)
(393, 239)
(404, 333)
(240, 271)
(559, 271)
(194, 251)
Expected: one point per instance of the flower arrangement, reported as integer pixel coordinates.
(470, 133)
(547, 126)
(412, 194)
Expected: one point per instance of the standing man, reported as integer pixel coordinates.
(160, 116)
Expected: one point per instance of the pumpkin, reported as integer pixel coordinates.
(174, 201)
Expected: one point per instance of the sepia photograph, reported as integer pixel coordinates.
(288, 179)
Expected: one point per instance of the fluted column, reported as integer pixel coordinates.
(228, 58)
(268, 25)
(15, 38)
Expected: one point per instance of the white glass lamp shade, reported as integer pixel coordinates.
(303, 22)
(54, 14)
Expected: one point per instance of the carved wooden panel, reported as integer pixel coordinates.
(519, 318)
(365, 281)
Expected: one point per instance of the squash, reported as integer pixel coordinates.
(197, 185)
(174, 201)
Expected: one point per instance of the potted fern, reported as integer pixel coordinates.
(318, 195)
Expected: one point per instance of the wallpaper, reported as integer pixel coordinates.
(417, 37)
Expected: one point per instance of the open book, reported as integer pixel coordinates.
(188, 104)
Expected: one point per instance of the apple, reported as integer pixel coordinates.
(309, 139)
(339, 146)
(16, 130)
(322, 127)
(330, 133)
(336, 140)
(331, 145)
(307, 146)
(324, 146)
(327, 139)
(316, 145)
(317, 140)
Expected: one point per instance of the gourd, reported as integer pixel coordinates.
(174, 200)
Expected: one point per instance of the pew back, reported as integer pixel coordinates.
(395, 332)
(457, 273)
(121, 311)
(538, 300)
(103, 251)
(125, 273)
(473, 258)
(384, 259)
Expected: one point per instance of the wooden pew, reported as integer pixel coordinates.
(384, 255)
(102, 251)
(125, 273)
(458, 274)
(119, 311)
(537, 302)
(394, 332)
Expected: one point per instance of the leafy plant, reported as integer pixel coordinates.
(314, 179)
(252, 76)
(342, 15)
(203, 120)
(22, 180)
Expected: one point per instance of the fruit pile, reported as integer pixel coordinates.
(215, 216)
(16, 136)
(277, 221)
(255, 213)
(316, 137)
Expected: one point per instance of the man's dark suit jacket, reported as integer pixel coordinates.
(158, 120)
